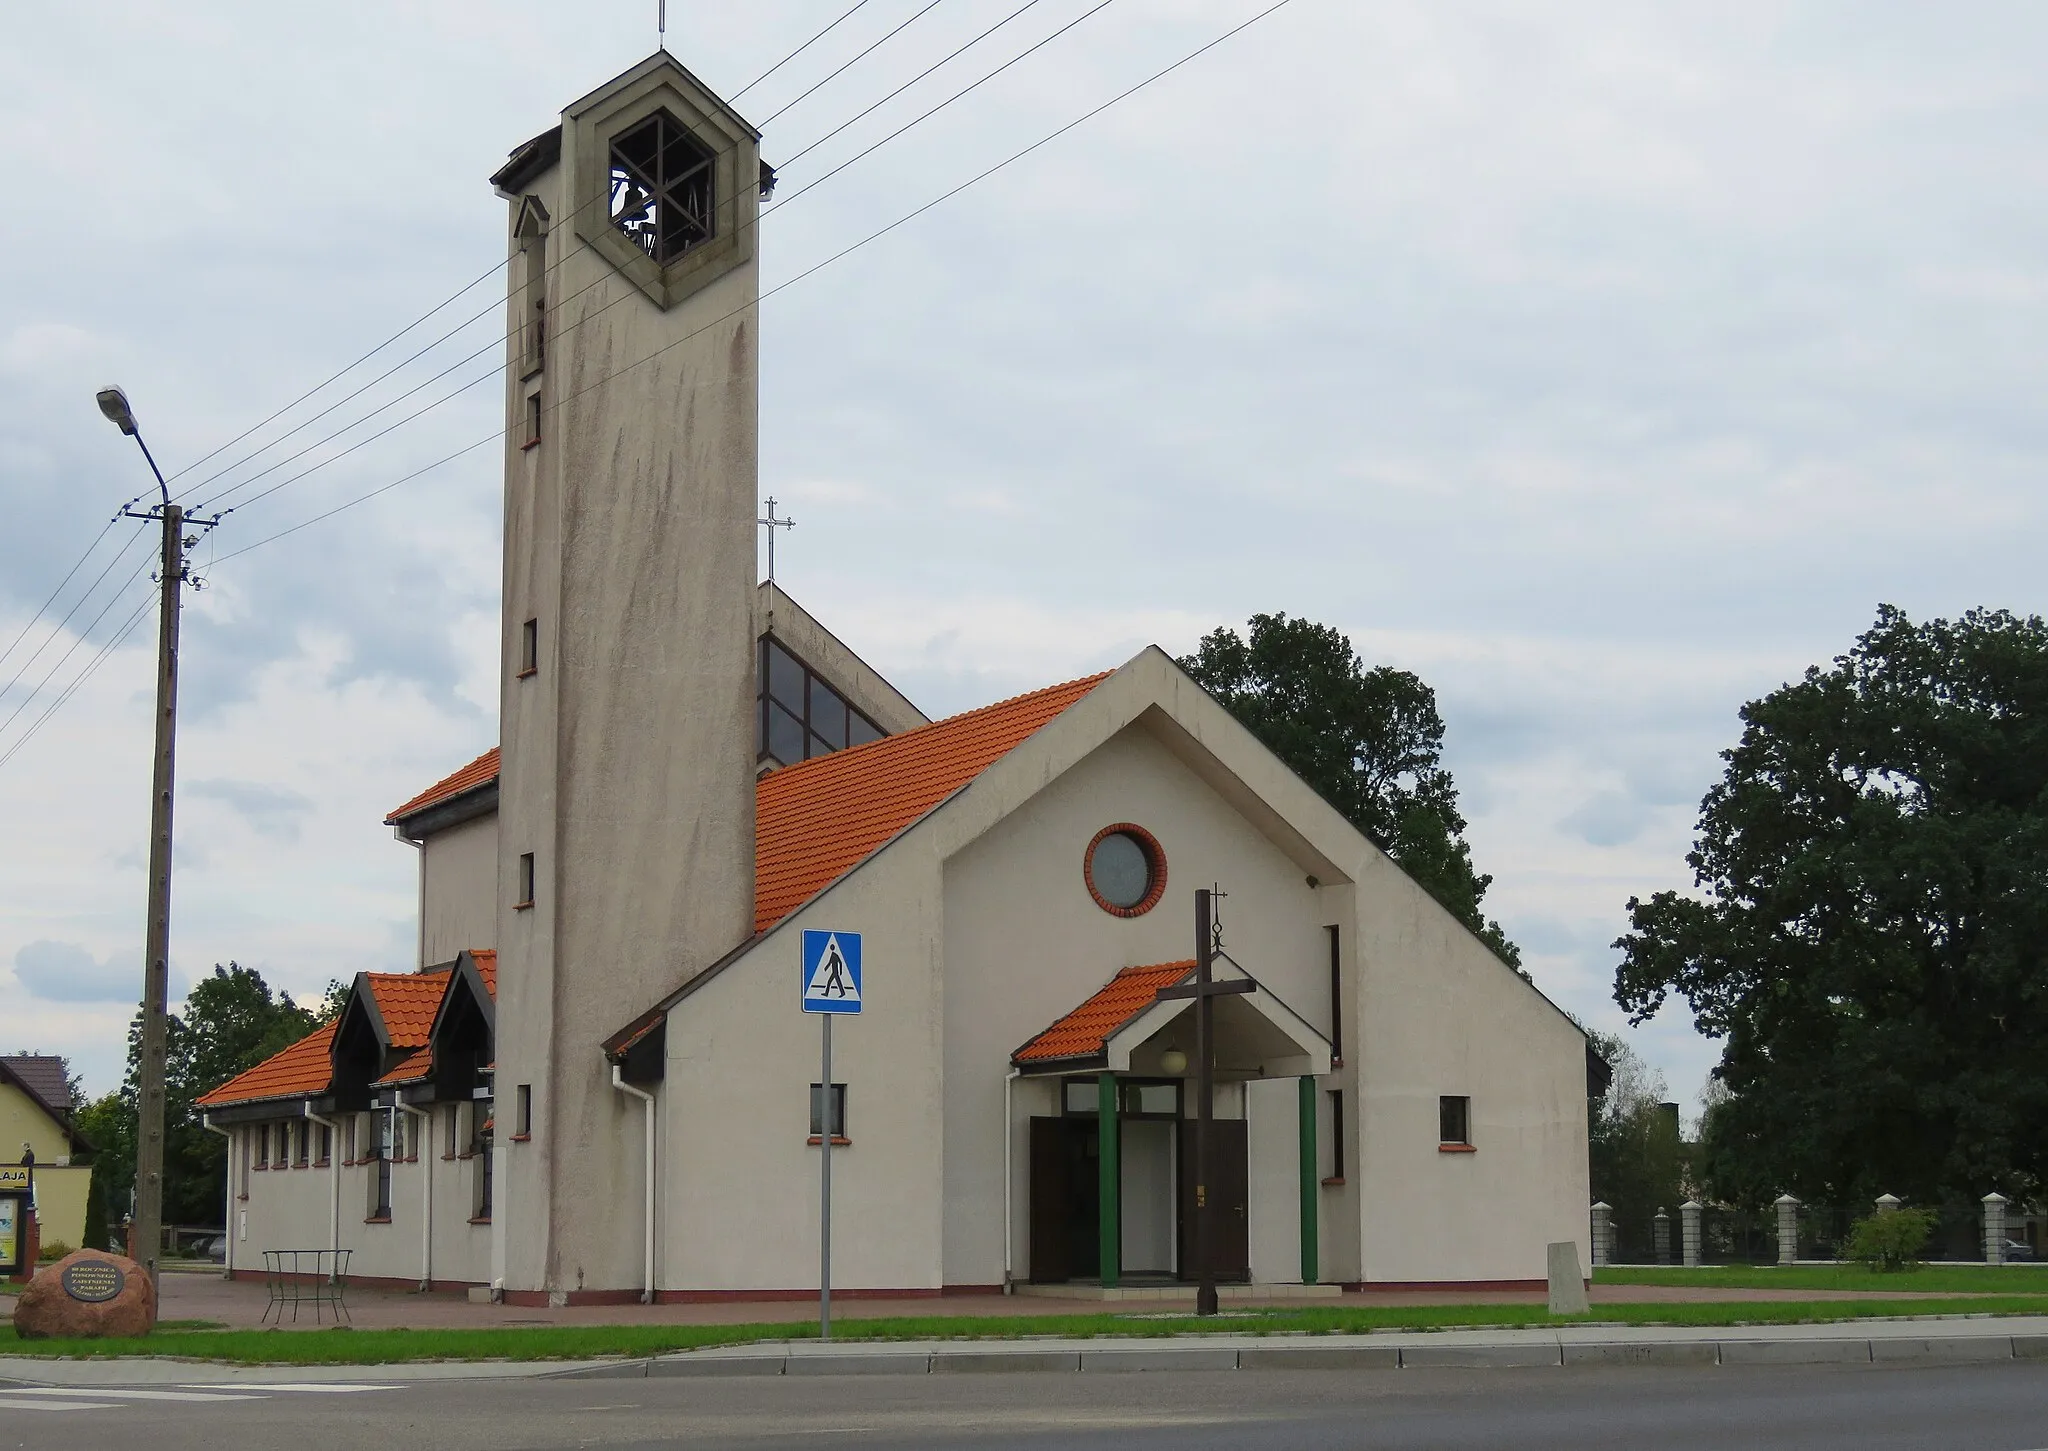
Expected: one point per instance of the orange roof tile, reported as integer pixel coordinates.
(407, 1002)
(486, 960)
(412, 1070)
(480, 772)
(1086, 1031)
(304, 1068)
(816, 821)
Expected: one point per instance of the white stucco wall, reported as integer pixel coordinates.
(1026, 943)
(458, 890)
(289, 1208)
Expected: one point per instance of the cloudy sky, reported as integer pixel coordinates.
(1604, 364)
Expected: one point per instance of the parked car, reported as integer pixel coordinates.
(2018, 1249)
(216, 1249)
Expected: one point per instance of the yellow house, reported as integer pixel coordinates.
(35, 1113)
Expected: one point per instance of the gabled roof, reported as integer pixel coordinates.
(412, 1070)
(1085, 1032)
(483, 771)
(405, 1002)
(43, 1077)
(816, 821)
(302, 1069)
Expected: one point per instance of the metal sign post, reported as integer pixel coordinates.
(831, 985)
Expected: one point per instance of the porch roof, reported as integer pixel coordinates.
(1085, 1032)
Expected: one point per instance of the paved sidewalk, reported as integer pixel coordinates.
(1932, 1340)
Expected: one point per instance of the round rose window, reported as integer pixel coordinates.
(1125, 870)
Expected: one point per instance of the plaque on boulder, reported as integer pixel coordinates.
(93, 1281)
(87, 1295)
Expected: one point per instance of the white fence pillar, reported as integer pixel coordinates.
(1660, 1236)
(1788, 1229)
(1888, 1203)
(1603, 1234)
(1994, 1228)
(1689, 1231)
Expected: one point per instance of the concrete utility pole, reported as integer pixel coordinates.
(149, 1129)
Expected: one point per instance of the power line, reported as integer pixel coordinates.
(797, 52)
(844, 252)
(935, 65)
(72, 689)
(68, 574)
(835, 75)
(82, 637)
(78, 604)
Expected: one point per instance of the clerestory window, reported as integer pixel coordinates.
(799, 715)
(662, 187)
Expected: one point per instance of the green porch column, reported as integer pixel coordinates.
(1109, 1163)
(1311, 1184)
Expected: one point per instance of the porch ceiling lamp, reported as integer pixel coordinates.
(1173, 1062)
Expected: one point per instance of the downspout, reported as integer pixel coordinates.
(425, 1140)
(1009, 1153)
(206, 1122)
(647, 1173)
(333, 1180)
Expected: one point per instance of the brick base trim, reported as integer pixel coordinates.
(1361, 1286)
(369, 1282)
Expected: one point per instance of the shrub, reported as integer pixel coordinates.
(1889, 1241)
(52, 1251)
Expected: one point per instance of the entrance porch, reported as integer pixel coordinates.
(1112, 1194)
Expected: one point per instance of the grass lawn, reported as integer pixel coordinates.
(1927, 1279)
(577, 1342)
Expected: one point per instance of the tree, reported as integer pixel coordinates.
(232, 1021)
(1635, 1159)
(1369, 741)
(108, 1123)
(1871, 927)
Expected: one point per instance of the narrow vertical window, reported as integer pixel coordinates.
(529, 648)
(532, 421)
(524, 888)
(1336, 998)
(531, 279)
(263, 1146)
(326, 1145)
(1454, 1117)
(454, 1118)
(1336, 1137)
(525, 1118)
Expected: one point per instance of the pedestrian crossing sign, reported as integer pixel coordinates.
(831, 976)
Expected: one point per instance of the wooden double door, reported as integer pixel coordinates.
(1066, 1199)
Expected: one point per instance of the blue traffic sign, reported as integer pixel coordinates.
(831, 976)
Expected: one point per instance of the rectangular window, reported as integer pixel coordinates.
(382, 1149)
(525, 885)
(349, 1144)
(263, 1146)
(800, 715)
(302, 1144)
(525, 1119)
(529, 648)
(1150, 1100)
(454, 1120)
(326, 1145)
(533, 294)
(532, 421)
(1336, 1136)
(482, 1196)
(838, 1112)
(1336, 998)
(248, 1137)
(1454, 1117)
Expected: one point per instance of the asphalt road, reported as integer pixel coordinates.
(1993, 1407)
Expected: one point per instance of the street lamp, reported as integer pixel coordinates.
(149, 1144)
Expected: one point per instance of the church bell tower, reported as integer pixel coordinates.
(626, 805)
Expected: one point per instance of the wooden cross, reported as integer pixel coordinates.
(1205, 990)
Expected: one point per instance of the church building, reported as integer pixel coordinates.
(595, 1082)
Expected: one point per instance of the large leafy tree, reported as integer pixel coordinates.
(1870, 931)
(232, 1021)
(1635, 1159)
(1370, 741)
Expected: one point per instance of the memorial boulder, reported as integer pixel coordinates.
(88, 1294)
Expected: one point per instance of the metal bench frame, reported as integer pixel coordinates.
(315, 1277)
